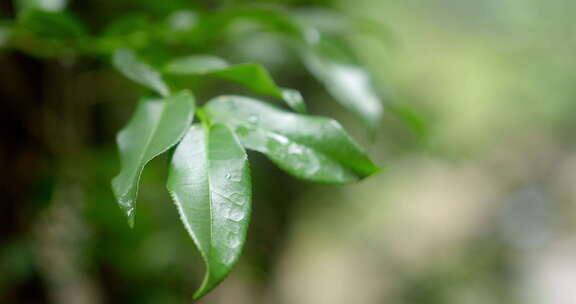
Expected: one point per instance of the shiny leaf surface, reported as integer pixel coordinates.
(309, 147)
(157, 125)
(128, 63)
(346, 80)
(210, 184)
(253, 76)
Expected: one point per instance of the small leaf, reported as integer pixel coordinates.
(329, 60)
(126, 62)
(332, 22)
(210, 184)
(131, 31)
(5, 32)
(411, 117)
(215, 25)
(195, 65)
(344, 78)
(253, 76)
(182, 20)
(52, 24)
(309, 147)
(156, 126)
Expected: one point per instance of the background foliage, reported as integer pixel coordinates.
(476, 204)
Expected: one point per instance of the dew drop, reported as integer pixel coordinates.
(236, 214)
(130, 211)
(233, 176)
(236, 197)
(234, 242)
(228, 256)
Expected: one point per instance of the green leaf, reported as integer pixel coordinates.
(195, 65)
(411, 117)
(324, 20)
(213, 26)
(44, 5)
(126, 25)
(5, 32)
(253, 76)
(157, 125)
(52, 24)
(210, 184)
(329, 60)
(333, 22)
(348, 82)
(126, 62)
(309, 147)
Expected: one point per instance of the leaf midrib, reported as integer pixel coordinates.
(208, 256)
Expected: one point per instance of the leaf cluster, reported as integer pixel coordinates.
(209, 175)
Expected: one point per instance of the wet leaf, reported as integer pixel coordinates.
(253, 76)
(157, 125)
(309, 147)
(209, 182)
(128, 63)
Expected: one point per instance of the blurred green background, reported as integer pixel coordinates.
(476, 204)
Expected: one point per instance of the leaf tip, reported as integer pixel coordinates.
(376, 170)
(198, 294)
(124, 201)
(294, 99)
(130, 215)
(205, 288)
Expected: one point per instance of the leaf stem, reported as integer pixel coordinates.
(206, 122)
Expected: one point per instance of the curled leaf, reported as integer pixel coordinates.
(157, 125)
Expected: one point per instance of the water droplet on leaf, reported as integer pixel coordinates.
(233, 240)
(236, 214)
